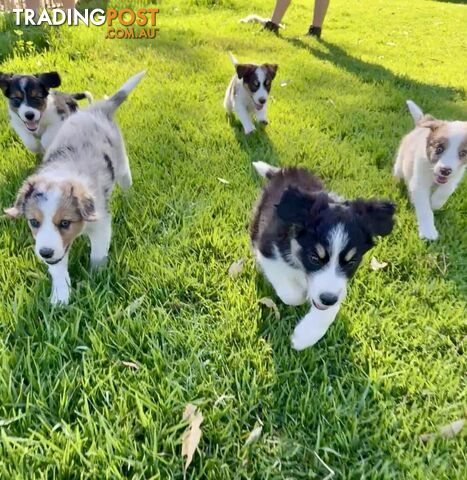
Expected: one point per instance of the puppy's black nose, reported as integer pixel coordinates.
(46, 252)
(262, 100)
(29, 115)
(445, 171)
(328, 299)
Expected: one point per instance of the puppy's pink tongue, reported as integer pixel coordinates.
(31, 125)
(441, 179)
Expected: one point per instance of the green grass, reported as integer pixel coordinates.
(393, 364)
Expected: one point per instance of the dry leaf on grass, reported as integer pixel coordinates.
(284, 83)
(236, 268)
(192, 434)
(447, 431)
(132, 365)
(254, 436)
(270, 304)
(375, 265)
(223, 180)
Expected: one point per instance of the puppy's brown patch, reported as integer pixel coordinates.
(74, 208)
(438, 138)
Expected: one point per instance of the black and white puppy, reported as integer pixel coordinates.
(36, 113)
(248, 92)
(309, 243)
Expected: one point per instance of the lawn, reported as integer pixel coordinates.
(392, 366)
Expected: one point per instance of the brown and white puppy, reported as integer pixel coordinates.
(70, 192)
(432, 156)
(36, 113)
(248, 92)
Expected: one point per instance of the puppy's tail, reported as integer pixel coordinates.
(415, 111)
(233, 59)
(82, 96)
(110, 105)
(266, 170)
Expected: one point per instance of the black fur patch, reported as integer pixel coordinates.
(294, 206)
(110, 166)
(59, 153)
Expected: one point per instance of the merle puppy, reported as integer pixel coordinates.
(248, 92)
(309, 243)
(36, 113)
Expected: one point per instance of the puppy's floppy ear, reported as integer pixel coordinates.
(377, 216)
(5, 80)
(50, 79)
(24, 193)
(243, 69)
(295, 206)
(84, 202)
(427, 121)
(271, 68)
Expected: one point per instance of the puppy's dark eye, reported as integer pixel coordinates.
(315, 258)
(463, 153)
(439, 149)
(255, 83)
(34, 223)
(64, 224)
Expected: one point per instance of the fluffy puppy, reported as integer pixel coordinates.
(309, 243)
(70, 192)
(431, 159)
(36, 113)
(248, 92)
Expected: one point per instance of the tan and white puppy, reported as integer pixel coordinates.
(69, 193)
(431, 159)
(248, 92)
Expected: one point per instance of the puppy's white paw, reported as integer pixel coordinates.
(60, 296)
(249, 130)
(300, 342)
(97, 263)
(428, 233)
(125, 181)
(302, 337)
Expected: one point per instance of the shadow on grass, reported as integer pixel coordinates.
(323, 389)
(376, 74)
(257, 145)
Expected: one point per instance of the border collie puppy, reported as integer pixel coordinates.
(309, 243)
(248, 92)
(69, 193)
(433, 154)
(36, 113)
